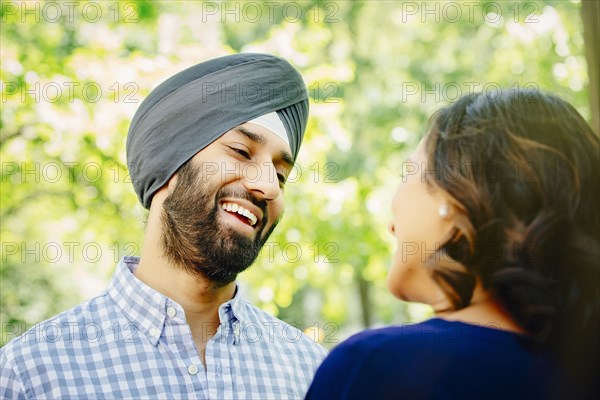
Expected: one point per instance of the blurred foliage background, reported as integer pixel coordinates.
(72, 75)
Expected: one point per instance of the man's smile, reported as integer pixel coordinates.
(240, 212)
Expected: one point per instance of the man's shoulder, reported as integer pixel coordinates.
(288, 335)
(68, 326)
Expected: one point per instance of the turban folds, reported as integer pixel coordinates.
(195, 107)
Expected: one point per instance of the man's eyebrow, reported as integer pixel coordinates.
(257, 138)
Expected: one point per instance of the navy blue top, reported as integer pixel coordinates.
(437, 359)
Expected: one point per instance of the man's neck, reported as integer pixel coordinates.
(199, 298)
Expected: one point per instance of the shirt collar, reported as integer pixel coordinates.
(233, 310)
(148, 308)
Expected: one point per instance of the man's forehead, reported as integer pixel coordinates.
(260, 135)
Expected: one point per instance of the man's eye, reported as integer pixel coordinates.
(241, 152)
(281, 179)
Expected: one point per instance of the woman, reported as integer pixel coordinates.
(504, 214)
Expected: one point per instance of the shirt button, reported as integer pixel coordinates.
(153, 332)
(192, 369)
(171, 312)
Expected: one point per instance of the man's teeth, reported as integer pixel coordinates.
(233, 207)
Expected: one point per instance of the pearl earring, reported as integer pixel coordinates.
(444, 211)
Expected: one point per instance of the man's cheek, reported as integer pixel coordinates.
(278, 208)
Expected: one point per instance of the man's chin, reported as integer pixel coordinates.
(236, 244)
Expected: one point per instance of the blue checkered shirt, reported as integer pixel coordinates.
(133, 342)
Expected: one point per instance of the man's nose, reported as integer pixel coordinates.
(262, 180)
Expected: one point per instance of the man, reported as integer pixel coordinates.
(209, 151)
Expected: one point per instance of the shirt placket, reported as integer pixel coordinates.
(218, 366)
(182, 345)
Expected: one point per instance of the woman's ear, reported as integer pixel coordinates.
(445, 211)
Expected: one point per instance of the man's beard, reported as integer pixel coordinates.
(195, 240)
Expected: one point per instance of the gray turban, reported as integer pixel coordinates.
(193, 108)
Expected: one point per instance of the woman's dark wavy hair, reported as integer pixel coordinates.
(522, 169)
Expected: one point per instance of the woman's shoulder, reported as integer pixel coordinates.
(431, 356)
(393, 342)
(376, 337)
(417, 345)
(432, 331)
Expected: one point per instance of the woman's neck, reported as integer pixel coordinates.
(483, 310)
